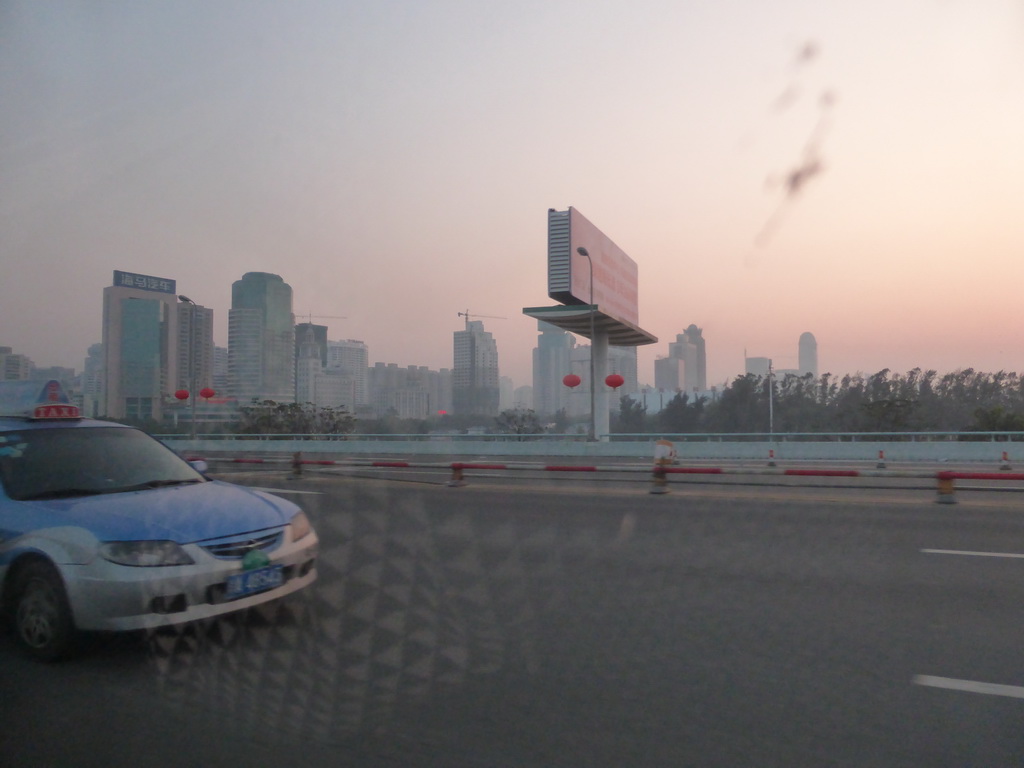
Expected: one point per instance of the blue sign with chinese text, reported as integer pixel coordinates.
(143, 282)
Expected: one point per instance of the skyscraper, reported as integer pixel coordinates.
(14, 367)
(692, 375)
(413, 392)
(757, 366)
(552, 361)
(261, 339)
(200, 344)
(140, 351)
(311, 333)
(699, 379)
(352, 358)
(92, 381)
(808, 354)
(308, 365)
(475, 373)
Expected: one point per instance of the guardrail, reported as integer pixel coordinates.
(945, 480)
(791, 447)
(628, 437)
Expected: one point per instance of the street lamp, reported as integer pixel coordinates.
(191, 356)
(593, 384)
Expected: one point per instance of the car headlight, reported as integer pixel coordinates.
(145, 553)
(300, 526)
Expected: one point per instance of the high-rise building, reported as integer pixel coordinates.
(321, 386)
(758, 366)
(220, 371)
(506, 393)
(199, 339)
(311, 333)
(414, 392)
(808, 355)
(261, 339)
(14, 367)
(92, 381)
(552, 361)
(352, 358)
(308, 365)
(699, 380)
(140, 351)
(523, 398)
(670, 374)
(475, 373)
(690, 348)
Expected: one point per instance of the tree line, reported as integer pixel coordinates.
(917, 401)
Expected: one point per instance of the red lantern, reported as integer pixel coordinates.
(181, 394)
(206, 392)
(614, 381)
(572, 380)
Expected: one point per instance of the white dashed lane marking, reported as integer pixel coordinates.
(971, 554)
(970, 686)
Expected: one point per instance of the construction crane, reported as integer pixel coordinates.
(467, 316)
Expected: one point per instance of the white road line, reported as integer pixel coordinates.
(970, 686)
(970, 554)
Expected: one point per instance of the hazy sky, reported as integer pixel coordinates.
(852, 168)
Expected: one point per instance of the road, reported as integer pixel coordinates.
(576, 622)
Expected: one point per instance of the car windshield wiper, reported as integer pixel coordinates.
(62, 493)
(157, 484)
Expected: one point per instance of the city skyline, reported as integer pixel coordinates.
(660, 351)
(845, 168)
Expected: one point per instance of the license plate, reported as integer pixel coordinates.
(251, 582)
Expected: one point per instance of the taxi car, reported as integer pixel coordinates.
(103, 527)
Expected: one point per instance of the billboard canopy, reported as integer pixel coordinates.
(575, 318)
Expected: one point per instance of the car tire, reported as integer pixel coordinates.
(43, 624)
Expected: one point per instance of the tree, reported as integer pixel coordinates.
(268, 417)
(680, 415)
(997, 419)
(632, 417)
(519, 421)
(742, 406)
(561, 422)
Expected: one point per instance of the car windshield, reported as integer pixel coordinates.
(57, 463)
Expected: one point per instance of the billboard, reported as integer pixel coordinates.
(142, 282)
(615, 285)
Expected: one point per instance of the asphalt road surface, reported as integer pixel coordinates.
(576, 622)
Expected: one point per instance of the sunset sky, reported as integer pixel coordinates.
(853, 168)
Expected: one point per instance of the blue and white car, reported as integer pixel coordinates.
(102, 527)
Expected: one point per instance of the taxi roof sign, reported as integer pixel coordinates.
(36, 400)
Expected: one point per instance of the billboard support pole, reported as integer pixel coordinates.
(601, 419)
(593, 380)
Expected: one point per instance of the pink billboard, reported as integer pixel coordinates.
(615, 286)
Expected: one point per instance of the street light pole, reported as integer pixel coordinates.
(593, 384)
(191, 357)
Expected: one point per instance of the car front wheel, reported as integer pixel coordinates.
(42, 614)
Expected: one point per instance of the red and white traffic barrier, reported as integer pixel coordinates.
(661, 472)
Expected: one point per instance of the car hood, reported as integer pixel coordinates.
(184, 513)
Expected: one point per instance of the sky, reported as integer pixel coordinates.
(852, 168)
